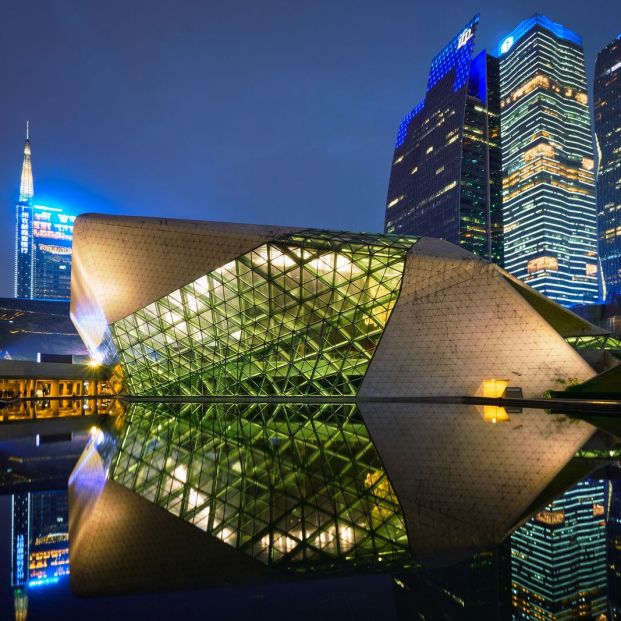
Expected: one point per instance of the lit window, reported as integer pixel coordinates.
(543, 263)
(395, 201)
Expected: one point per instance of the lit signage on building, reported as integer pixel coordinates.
(464, 37)
(506, 45)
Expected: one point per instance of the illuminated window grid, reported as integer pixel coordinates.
(298, 486)
(302, 315)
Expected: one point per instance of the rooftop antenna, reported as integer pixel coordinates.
(27, 130)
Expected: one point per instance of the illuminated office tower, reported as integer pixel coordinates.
(607, 94)
(43, 237)
(558, 558)
(52, 234)
(446, 170)
(550, 236)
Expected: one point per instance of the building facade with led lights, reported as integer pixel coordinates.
(445, 174)
(548, 189)
(607, 97)
(558, 558)
(42, 243)
(272, 478)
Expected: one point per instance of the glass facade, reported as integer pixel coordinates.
(607, 94)
(558, 558)
(550, 237)
(301, 315)
(445, 175)
(295, 486)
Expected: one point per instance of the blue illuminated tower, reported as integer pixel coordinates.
(558, 558)
(43, 237)
(548, 192)
(445, 174)
(607, 95)
(23, 227)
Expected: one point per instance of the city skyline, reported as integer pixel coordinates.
(343, 112)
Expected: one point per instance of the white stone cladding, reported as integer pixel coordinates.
(458, 322)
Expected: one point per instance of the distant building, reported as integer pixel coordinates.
(43, 238)
(445, 174)
(607, 94)
(558, 558)
(550, 235)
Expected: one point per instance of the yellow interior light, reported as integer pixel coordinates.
(494, 388)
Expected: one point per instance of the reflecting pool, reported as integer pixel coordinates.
(339, 510)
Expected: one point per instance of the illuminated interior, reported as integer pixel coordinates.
(299, 315)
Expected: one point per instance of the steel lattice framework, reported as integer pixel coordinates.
(289, 485)
(301, 315)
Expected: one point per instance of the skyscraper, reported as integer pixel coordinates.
(607, 95)
(445, 175)
(558, 558)
(23, 227)
(43, 238)
(550, 237)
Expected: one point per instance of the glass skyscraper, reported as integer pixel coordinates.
(445, 175)
(607, 94)
(43, 237)
(558, 558)
(550, 236)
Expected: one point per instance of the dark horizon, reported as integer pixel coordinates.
(264, 114)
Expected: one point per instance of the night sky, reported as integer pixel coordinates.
(266, 111)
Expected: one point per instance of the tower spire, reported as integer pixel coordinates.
(26, 187)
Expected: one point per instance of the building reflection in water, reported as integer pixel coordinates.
(40, 524)
(558, 558)
(313, 489)
(32, 409)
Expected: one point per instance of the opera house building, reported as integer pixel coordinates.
(282, 435)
